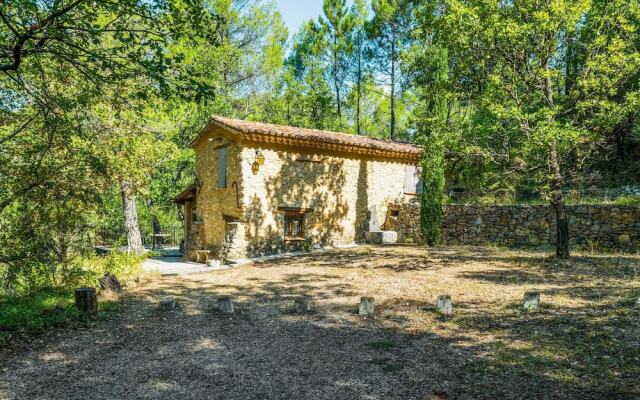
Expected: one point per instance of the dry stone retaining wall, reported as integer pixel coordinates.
(604, 226)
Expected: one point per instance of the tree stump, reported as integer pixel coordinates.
(444, 305)
(225, 304)
(111, 283)
(366, 306)
(86, 300)
(531, 301)
(303, 305)
(168, 303)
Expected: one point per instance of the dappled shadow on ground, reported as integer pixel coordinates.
(580, 345)
(388, 257)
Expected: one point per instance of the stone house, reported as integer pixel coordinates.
(270, 188)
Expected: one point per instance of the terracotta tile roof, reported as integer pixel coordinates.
(187, 195)
(291, 135)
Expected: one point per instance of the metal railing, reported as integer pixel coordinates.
(168, 237)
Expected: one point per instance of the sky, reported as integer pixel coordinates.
(297, 12)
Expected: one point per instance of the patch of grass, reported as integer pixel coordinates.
(574, 198)
(50, 308)
(31, 314)
(43, 309)
(627, 201)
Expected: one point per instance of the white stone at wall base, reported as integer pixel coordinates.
(381, 237)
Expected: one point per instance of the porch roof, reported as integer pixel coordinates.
(189, 194)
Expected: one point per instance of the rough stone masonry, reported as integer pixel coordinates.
(602, 226)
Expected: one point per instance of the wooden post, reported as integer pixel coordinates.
(86, 300)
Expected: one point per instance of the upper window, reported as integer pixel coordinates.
(222, 167)
(412, 180)
(294, 225)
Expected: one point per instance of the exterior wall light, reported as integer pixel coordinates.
(259, 157)
(255, 167)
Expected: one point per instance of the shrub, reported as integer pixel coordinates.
(79, 271)
(627, 200)
(124, 266)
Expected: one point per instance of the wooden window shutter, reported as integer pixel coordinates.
(222, 167)
(412, 180)
(408, 179)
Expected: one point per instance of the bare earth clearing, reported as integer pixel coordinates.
(583, 344)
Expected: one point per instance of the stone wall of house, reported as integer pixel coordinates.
(215, 207)
(605, 226)
(338, 190)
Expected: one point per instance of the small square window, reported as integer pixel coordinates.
(294, 225)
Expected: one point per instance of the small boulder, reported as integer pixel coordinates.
(111, 283)
(381, 237)
(302, 305)
(444, 304)
(366, 306)
(531, 301)
(225, 304)
(168, 303)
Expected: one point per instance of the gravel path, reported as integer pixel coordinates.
(265, 351)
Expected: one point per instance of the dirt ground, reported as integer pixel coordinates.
(583, 344)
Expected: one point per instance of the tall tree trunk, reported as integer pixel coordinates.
(288, 113)
(336, 78)
(131, 225)
(359, 84)
(393, 87)
(557, 198)
(339, 109)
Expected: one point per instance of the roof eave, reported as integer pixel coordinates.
(340, 147)
(406, 156)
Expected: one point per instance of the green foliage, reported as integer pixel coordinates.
(433, 128)
(27, 314)
(33, 274)
(40, 311)
(96, 94)
(41, 296)
(627, 201)
(336, 29)
(512, 102)
(432, 198)
(122, 265)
